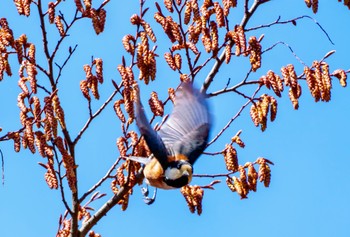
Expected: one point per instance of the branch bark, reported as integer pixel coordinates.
(215, 69)
(107, 206)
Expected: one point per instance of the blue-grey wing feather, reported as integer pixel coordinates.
(153, 140)
(187, 129)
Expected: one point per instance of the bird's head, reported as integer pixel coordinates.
(178, 174)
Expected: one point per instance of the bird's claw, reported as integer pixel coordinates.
(148, 200)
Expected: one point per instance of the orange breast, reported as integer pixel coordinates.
(154, 172)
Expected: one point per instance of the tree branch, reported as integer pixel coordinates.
(100, 182)
(107, 206)
(94, 116)
(215, 69)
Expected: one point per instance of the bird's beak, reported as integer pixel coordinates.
(186, 173)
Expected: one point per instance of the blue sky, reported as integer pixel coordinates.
(309, 191)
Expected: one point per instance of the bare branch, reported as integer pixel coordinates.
(94, 116)
(100, 182)
(215, 69)
(293, 21)
(107, 206)
(234, 117)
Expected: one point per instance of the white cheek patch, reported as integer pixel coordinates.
(172, 173)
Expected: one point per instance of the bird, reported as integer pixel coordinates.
(179, 142)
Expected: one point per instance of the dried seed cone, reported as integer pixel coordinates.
(148, 31)
(118, 111)
(58, 111)
(315, 6)
(230, 157)
(312, 83)
(254, 114)
(169, 5)
(16, 140)
(220, 19)
(254, 51)
(178, 60)
(252, 177)
(156, 105)
(93, 234)
(29, 135)
(186, 192)
(192, 47)
(243, 178)
(121, 144)
(51, 120)
(40, 142)
(273, 108)
(59, 144)
(293, 78)
(193, 196)
(70, 166)
(37, 111)
(171, 93)
(308, 3)
(84, 89)
(236, 139)
(188, 11)
(51, 178)
(129, 44)
(227, 4)
(293, 98)
(23, 7)
(327, 81)
(170, 60)
(59, 25)
(264, 172)
(197, 194)
(66, 226)
(195, 10)
(237, 183)
(230, 185)
(51, 12)
(341, 75)
(99, 69)
(275, 82)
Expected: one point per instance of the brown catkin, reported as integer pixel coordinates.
(230, 157)
(59, 25)
(156, 105)
(341, 75)
(170, 60)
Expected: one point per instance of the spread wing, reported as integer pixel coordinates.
(187, 129)
(153, 140)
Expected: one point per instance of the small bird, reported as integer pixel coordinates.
(179, 142)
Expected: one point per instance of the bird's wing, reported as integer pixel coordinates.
(153, 140)
(187, 129)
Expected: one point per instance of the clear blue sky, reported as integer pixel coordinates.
(309, 192)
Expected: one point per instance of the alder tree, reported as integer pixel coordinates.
(200, 36)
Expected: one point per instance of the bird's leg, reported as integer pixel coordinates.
(148, 200)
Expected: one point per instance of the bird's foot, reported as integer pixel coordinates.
(148, 200)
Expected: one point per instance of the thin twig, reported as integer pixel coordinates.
(94, 116)
(215, 69)
(71, 51)
(60, 178)
(2, 168)
(213, 175)
(288, 46)
(293, 22)
(234, 117)
(107, 206)
(100, 182)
